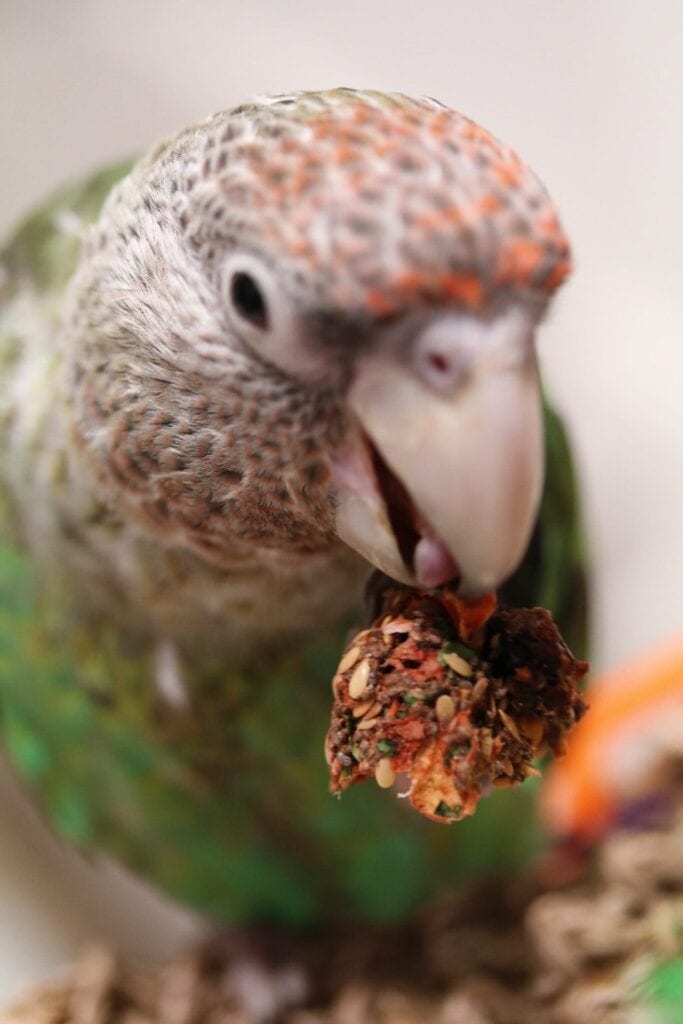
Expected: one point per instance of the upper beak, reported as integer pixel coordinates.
(456, 438)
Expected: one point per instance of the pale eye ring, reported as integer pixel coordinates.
(248, 300)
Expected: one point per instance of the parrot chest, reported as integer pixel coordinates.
(107, 568)
(159, 594)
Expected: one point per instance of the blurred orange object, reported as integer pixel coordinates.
(626, 750)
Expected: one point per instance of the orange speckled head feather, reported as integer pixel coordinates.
(377, 202)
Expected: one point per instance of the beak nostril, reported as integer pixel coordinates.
(442, 371)
(438, 362)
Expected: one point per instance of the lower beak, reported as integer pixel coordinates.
(465, 464)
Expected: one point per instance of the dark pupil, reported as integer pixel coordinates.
(246, 295)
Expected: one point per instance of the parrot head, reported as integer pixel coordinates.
(312, 318)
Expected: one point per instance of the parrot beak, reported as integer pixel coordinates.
(442, 476)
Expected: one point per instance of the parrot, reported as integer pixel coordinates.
(290, 346)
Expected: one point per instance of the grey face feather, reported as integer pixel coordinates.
(184, 424)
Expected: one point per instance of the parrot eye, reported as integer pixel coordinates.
(261, 314)
(248, 300)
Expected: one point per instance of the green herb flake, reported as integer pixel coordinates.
(387, 747)
(459, 749)
(444, 810)
(456, 647)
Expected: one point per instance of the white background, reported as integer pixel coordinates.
(590, 92)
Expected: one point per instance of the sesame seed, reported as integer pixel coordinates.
(372, 712)
(458, 664)
(480, 689)
(396, 626)
(359, 680)
(509, 724)
(445, 708)
(384, 774)
(349, 659)
(360, 709)
(486, 740)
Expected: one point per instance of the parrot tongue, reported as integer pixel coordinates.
(423, 552)
(433, 563)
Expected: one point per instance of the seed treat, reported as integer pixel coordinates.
(459, 696)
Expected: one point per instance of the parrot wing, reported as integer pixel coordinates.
(662, 993)
(43, 251)
(554, 572)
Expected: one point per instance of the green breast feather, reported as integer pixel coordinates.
(226, 804)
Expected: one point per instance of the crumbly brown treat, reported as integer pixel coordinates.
(457, 696)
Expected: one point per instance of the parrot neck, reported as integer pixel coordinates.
(154, 583)
(153, 587)
(116, 566)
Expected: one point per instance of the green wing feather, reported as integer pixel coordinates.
(43, 252)
(662, 993)
(226, 806)
(554, 572)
